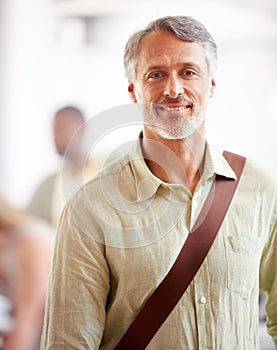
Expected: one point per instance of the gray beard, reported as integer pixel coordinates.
(182, 129)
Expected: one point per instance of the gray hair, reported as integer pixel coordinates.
(184, 27)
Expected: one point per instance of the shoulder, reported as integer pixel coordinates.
(45, 188)
(106, 179)
(257, 180)
(48, 181)
(258, 184)
(259, 175)
(40, 202)
(95, 204)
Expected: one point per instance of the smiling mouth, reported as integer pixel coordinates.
(177, 113)
(174, 109)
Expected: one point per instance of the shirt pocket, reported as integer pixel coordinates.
(243, 255)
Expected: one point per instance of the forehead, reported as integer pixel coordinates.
(66, 120)
(162, 46)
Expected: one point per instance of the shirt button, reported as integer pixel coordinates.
(203, 300)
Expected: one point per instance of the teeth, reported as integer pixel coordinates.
(174, 108)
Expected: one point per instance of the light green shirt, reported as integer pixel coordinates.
(120, 235)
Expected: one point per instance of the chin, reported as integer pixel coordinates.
(173, 134)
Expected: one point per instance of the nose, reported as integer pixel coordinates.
(174, 87)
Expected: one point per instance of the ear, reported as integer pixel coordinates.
(213, 85)
(131, 90)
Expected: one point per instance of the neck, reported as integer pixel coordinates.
(76, 162)
(175, 161)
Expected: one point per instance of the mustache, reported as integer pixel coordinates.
(179, 99)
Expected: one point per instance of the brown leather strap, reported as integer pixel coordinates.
(192, 255)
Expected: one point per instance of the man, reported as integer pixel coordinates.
(122, 232)
(48, 200)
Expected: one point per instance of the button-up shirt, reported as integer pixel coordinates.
(119, 237)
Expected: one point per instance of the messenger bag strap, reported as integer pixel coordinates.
(195, 249)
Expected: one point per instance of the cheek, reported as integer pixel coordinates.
(150, 94)
(141, 95)
(200, 93)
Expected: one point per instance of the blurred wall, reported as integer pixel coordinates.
(53, 55)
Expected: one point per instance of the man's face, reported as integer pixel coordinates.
(64, 127)
(172, 84)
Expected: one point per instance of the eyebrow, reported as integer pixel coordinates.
(182, 65)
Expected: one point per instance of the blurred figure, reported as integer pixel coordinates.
(49, 198)
(25, 255)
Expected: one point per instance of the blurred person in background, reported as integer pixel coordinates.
(25, 256)
(48, 200)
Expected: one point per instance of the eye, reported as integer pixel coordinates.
(155, 75)
(189, 72)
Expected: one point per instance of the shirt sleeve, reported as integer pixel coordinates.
(268, 281)
(77, 291)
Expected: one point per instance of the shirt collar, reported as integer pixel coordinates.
(147, 184)
(215, 163)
